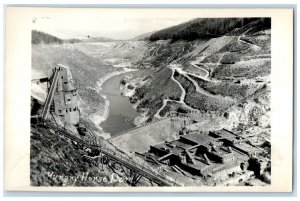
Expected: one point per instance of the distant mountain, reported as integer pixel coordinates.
(206, 28)
(38, 37)
(97, 39)
(73, 40)
(145, 36)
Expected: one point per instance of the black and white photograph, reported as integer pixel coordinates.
(156, 98)
(185, 104)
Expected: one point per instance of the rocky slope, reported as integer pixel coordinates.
(220, 82)
(55, 161)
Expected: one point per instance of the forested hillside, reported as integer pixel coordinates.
(41, 37)
(207, 28)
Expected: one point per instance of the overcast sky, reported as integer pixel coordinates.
(115, 24)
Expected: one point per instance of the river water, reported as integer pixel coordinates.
(121, 113)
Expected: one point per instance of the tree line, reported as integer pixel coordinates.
(38, 37)
(206, 28)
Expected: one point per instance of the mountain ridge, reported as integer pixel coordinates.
(206, 28)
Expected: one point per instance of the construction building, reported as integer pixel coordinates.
(62, 102)
(213, 155)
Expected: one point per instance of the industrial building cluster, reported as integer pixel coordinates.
(219, 157)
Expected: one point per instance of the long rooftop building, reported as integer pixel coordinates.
(206, 155)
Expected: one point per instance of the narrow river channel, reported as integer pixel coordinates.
(121, 113)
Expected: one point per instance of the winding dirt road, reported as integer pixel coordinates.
(204, 76)
(181, 100)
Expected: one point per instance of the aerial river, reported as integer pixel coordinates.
(121, 112)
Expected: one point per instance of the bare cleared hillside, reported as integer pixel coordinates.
(211, 75)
